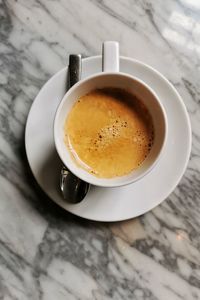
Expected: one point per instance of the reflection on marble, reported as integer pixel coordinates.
(46, 253)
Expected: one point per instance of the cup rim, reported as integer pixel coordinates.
(95, 180)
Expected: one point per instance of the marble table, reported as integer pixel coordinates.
(47, 253)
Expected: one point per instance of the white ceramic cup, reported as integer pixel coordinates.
(111, 77)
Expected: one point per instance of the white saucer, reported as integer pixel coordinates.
(109, 204)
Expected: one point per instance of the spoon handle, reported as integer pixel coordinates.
(74, 69)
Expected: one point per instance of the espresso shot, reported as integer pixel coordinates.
(109, 132)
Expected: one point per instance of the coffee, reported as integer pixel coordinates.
(109, 132)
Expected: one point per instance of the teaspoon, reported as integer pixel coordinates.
(73, 188)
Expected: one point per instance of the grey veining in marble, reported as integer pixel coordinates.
(46, 253)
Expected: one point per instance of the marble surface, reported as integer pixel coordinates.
(46, 253)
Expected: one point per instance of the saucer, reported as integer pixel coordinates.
(109, 204)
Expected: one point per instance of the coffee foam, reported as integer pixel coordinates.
(109, 132)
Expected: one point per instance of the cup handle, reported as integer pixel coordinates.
(110, 55)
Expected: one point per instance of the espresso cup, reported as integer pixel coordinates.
(111, 77)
